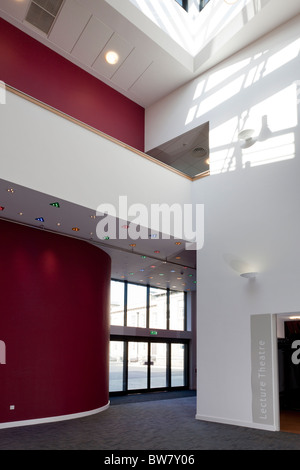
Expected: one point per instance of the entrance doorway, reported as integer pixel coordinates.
(142, 365)
(288, 342)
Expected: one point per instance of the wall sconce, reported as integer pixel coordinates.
(250, 275)
(246, 136)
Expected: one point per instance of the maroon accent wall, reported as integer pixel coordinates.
(36, 70)
(54, 320)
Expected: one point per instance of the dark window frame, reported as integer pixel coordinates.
(183, 4)
(148, 287)
(202, 4)
(169, 341)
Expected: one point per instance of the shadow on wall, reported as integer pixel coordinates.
(252, 107)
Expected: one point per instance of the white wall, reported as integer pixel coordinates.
(48, 153)
(251, 208)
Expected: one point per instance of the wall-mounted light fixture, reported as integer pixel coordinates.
(246, 136)
(249, 275)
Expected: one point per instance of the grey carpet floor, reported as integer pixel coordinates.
(143, 424)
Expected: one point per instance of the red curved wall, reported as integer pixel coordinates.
(36, 70)
(54, 320)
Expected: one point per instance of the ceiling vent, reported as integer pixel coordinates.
(42, 13)
(199, 152)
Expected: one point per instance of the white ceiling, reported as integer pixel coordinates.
(158, 53)
(161, 46)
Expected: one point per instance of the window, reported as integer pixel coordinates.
(147, 307)
(183, 3)
(137, 365)
(158, 362)
(177, 364)
(136, 305)
(116, 365)
(158, 308)
(177, 311)
(146, 365)
(202, 4)
(117, 303)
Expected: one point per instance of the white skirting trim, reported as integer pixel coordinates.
(29, 422)
(266, 427)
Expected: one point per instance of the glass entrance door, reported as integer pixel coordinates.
(147, 365)
(137, 365)
(158, 365)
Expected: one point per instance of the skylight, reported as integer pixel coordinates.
(185, 4)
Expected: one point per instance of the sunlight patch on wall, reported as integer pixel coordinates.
(221, 96)
(282, 57)
(273, 150)
(221, 75)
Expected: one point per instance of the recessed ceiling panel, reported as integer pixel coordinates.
(69, 25)
(130, 71)
(157, 79)
(92, 41)
(188, 153)
(116, 44)
(15, 9)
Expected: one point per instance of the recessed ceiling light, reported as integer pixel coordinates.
(58, 224)
(111, 57)
(20, 213)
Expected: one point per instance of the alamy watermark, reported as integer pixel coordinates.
(183, 222)
(2, 352)
(295, 355)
